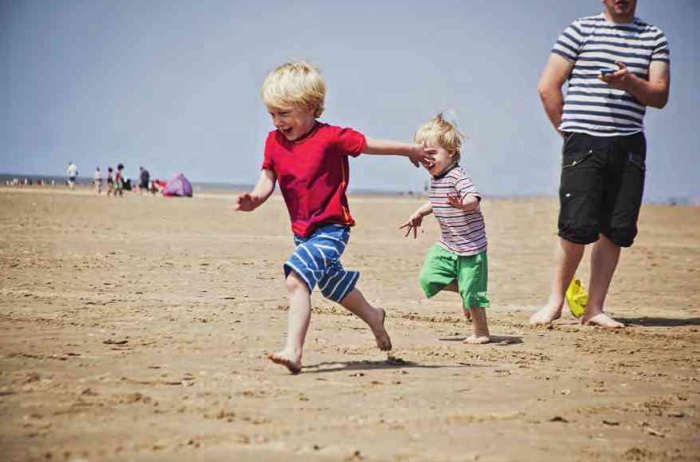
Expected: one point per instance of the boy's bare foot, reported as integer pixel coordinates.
(546, 315)
(601, 320)
(477, 339)
(380, 333)
(287, 360)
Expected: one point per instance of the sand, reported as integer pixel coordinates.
(136, 329)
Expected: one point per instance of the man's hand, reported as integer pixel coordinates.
(413, 223)
(621, 79)
(246, 203)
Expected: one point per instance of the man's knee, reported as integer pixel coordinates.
(622, 237)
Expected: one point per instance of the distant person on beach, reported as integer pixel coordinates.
(72, 173)
(110, 181)
(97, 178)
(310, 160)
(457, 263)
(144, 178)
(119, 180)
(616, 65)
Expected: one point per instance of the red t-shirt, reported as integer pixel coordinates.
(313, 174)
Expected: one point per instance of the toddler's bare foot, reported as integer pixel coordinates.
(287, 360)
(477, 339)
(602, 320)
(380, 333)
(546, 315)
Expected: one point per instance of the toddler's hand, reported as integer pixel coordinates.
(413, 223)
(454, 201)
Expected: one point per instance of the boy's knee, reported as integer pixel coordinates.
(294, 282)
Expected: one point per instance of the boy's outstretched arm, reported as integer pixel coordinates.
(247, 202)
(470, 202)
(416, 219)
(415, 152)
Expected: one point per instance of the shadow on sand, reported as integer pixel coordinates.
(498, 340)
(397, 363)
(659, 322)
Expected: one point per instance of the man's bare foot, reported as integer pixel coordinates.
(546, 315)
(477, 339)
(601, 320)
(287, 360)
(380, 333)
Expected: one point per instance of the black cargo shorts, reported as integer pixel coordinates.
(601, 187)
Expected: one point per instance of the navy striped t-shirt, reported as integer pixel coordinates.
(463, 232)
(593, 43)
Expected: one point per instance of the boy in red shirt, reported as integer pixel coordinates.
(309, 159)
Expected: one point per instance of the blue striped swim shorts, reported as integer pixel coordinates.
(316, 260)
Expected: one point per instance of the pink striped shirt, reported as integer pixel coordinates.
(463, 232)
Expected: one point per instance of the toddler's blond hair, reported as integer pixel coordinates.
(444, 133)
(295, 84)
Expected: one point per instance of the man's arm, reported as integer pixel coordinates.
(652, 92)
(415, 152)
(247, 202)
(554, 75)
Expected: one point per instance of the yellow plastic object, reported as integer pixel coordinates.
(576, 298)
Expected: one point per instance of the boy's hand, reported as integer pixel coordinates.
(245, 203)
(413, 223)
(420, 155)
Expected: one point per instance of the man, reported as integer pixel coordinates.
(616, 65)
(72, 173)
(144, 178)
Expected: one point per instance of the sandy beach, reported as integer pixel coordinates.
(137, 328)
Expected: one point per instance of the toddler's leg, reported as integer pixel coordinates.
(356, 303)
(452, 287)
(481, 328)
(298, 324)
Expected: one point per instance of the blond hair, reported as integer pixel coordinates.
(441, 132)
(295, 84)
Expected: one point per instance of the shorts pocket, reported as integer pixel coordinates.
(573, 159)
(637, 160)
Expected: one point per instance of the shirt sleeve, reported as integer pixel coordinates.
(268, 163)
(569, 42)
(465, 187)
(661, 50)
(350, 141)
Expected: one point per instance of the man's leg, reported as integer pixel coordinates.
(567, 257)
(356, 303)
(604, 260)
(298, 324)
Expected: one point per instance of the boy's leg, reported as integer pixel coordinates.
(567, 257)
(481, 329)
(298, 324)
(356, 303)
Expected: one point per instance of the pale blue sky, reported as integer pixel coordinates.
(173, 85)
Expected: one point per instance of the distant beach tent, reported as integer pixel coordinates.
(178, 185)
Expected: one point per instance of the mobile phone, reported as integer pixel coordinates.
(606, 71)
